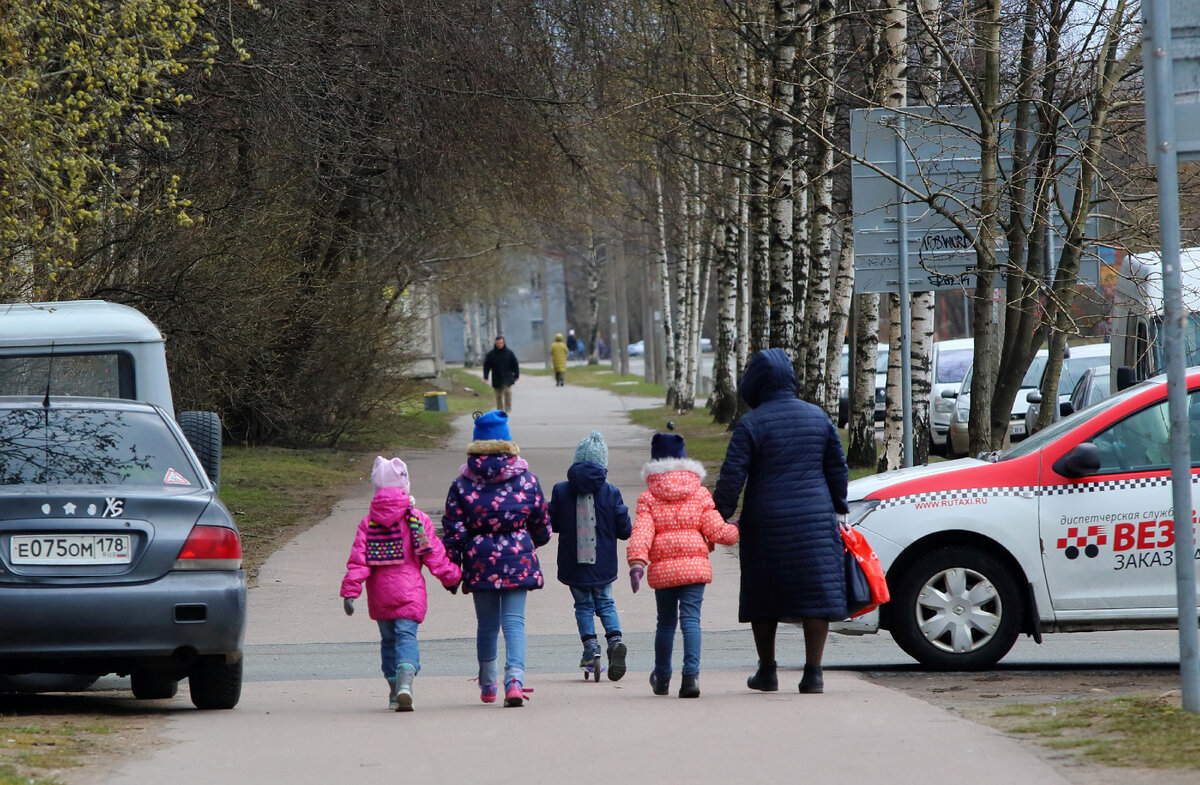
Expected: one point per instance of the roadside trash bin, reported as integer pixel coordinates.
(436, 402)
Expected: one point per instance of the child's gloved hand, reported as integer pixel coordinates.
(453, 589)
(348, 605)
(635, 578)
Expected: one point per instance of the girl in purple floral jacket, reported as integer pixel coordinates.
(495, 516)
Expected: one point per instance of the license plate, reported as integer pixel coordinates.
(1017, 428)
(51, 549)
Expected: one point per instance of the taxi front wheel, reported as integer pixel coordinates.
(956, 608)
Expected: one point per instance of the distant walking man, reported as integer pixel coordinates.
(501, 363)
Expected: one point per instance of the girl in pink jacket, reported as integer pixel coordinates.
(675, 529)
(391, 544)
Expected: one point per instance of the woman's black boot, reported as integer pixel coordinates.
(765, 679)
(812, 682)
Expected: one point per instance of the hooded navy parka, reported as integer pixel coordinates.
(612, 524)
(787, 454)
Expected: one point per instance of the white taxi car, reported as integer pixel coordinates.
(1069, 530)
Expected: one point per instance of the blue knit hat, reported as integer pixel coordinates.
(666, 445)
(492, 426)
(592, 449)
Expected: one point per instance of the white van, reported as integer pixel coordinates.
(1136, 336)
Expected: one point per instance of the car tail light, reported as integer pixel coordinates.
(210, 548)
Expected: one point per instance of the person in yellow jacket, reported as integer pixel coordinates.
(558, 356)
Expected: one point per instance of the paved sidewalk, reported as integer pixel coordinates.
(323, 730)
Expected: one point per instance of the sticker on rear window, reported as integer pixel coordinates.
(175, 478)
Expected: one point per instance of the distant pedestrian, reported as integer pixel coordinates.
(787, 454)
(558, 356)
(601, 348)
(573, 345)
(676, 526)
(495, 517)
(589, 516)
(501, 363)
(391, 545)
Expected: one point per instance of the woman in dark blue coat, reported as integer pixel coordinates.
(787, 454)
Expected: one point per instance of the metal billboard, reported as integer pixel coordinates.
(1184, 47)
(941, 165)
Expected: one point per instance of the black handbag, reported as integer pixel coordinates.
(858, 589)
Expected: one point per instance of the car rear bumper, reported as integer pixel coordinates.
(176, 618)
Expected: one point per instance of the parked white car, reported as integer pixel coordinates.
(881, 363)
(948, 366)
(959, 442)
(1078, 360)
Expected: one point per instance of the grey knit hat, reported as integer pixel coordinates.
(592, 449)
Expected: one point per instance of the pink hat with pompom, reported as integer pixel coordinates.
(389, 474)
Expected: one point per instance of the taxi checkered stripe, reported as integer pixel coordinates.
(1032, 490)
(965, 493)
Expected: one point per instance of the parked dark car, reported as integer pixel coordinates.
(116, 556)
(1094, 386)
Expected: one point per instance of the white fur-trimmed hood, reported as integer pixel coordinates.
(667, 465)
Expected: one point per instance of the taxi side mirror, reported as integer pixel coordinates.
(1082, 460)
(949, 393)
(1033, 396)
(1065, 408)
(1126, 377)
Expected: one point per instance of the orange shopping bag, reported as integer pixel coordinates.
(860, 556)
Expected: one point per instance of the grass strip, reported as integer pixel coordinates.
(1142, 730)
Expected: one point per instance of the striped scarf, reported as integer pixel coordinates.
(385, 544)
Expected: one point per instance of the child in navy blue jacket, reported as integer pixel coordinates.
(589, 516)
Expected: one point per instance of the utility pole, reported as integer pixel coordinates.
(1164, 146)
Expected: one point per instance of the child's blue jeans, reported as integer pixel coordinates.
(496, 610)
(678, 604)
(397, 644)
(593, 601)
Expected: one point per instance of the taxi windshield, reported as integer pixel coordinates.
(1051, 432)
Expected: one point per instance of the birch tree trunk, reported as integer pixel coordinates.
(927, 87)
(862, 451)
(745, 287)
(896, 81)
(802, 106)
(470, 326)
(783, 66)
(722, 402)
(593, 298)
(664, 282)
(839, 314)
(821, 213)
(760, 226)
(745, 188)
(683, 298)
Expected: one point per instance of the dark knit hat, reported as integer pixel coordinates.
(492, 426)
(666, 445)
(592, 449)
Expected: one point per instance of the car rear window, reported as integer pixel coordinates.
(67, 446)
(1073, 370)
(94, 375)
(953, 365)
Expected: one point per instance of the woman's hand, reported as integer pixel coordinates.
(348, 605)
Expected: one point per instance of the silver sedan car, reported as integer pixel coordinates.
(116, 556)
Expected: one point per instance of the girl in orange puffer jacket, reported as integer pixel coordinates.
(676, 527)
